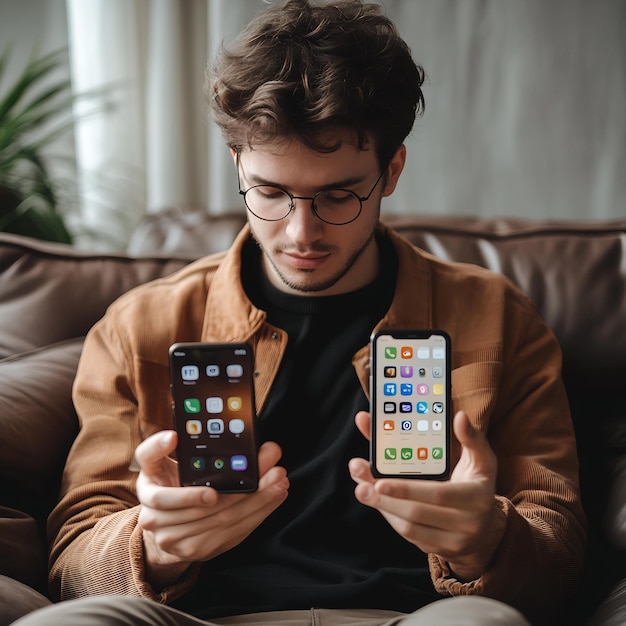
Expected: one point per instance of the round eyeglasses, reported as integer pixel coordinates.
(333, 206)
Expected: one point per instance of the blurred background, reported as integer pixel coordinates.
(525, 107)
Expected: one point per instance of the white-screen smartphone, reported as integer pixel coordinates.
(410, 404)
(214, 415)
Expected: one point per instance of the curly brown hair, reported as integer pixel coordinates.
(301, 69)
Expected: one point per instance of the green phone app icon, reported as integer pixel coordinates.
(192, 405)
(391, 352)
(406, 454)
(437, 453)
(391, 454)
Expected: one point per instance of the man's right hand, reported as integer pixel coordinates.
(183, 525)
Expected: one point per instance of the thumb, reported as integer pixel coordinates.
(152, 452)
(477, 457)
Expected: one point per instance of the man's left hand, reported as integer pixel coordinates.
(458, 520)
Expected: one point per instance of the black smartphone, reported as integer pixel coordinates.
(410, 404)
(214, 415)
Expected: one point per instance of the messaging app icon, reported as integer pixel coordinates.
(406, 454)
(437, 453)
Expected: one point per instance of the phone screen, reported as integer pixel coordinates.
(410, 404)
(214, 415)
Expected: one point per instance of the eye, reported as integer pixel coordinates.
(267, 192)
(337, 196)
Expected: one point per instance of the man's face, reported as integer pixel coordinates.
(301, 253)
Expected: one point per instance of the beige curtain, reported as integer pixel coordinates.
(525, 110)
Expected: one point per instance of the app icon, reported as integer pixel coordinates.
(406, 454)
(218, 463)
(238, 463)
(390, 389)
(422, 425)
(214, 405)
(406, 371)
(389, 425)
(437, 407)
(389, 407)
(192, 405)
(389, 371)
(406, 407)
(406, 352)
(422, 389)
(422, 407)
(437, 453)
(391, 454)
(234, 403)
(236, 426)
(423, 353)
(437, 371)
(406, 425)
(215, 426)
(439, 353)
(438, 389)
(212, 370)
(437, 424)
(421, 372)
(391, 352)
(406, 389)
(197, 463)
(193, 427)
(234, 370)
(422, 454)
(189, 372)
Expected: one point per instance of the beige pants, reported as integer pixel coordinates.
(131, 611)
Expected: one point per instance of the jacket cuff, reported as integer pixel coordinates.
(144, 588)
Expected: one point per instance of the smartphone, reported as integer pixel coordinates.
(214, 415)
(410, 404)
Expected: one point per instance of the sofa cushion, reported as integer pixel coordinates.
(37, 425)
(51, 292)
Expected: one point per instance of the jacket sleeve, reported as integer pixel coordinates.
(96, 545)
(514, 392)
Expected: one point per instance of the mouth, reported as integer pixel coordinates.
(305, 261)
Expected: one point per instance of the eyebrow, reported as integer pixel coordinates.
(254, 179)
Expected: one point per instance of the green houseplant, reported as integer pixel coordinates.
(34, 111)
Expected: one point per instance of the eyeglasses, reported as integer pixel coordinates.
(333, 206)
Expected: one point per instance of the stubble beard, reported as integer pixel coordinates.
(306, 286)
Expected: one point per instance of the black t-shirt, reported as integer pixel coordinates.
(321, 547)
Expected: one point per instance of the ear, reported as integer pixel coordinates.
(233, 153)
(394, 169)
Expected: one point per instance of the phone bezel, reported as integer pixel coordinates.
(408, 334)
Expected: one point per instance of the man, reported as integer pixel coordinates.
(314, 99)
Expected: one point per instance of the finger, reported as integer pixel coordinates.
(269, 454)
(477, 457)
(360, 471)
(363, 423)
(150, 452)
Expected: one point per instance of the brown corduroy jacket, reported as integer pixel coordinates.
(506, 376)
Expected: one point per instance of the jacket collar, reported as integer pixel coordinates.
(231, 316)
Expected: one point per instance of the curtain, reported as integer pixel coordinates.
(524, 113)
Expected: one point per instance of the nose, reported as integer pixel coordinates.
(303, 226)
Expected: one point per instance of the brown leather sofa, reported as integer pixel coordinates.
(51, 294)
